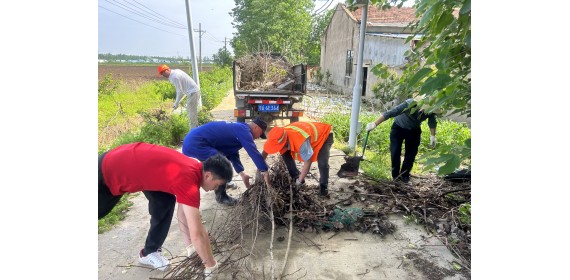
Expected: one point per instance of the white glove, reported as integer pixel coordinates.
(432, 141)
(174, 107)
(298, 183)
(370, 126)
(210, 273)
(190, 250)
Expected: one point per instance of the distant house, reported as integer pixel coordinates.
(385, 42)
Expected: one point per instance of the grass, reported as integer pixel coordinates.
(116, 215)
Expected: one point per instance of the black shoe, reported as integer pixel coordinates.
(226, 199)
(223, 198)
(324, 191)
(406, 179)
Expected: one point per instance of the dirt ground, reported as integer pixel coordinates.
(410, 253)
(135, 75)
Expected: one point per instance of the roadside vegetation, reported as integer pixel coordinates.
(377, 153)
(145, 115)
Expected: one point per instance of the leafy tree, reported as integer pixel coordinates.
(313, 47)
(440, 67)
(223, 57)
(281, 26)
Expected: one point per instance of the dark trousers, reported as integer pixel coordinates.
(322, 161)
(412, 142)
(160, 207)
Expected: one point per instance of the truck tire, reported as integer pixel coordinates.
(239, 119)
(294, 119)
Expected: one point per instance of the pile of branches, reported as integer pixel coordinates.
(429, 201)
(441, 206)
(263, 71)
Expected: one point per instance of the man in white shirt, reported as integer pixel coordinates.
(184, 85)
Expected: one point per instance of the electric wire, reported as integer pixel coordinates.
(139, 21)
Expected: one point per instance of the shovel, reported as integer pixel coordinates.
(350, 168)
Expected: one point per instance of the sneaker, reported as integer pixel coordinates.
(156, 260)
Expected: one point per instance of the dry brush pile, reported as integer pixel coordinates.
(263, 71)
(234, 235)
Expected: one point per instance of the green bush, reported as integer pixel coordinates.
(108, 85)
(158, 128)
(214, 86)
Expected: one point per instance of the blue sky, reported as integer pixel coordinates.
(150, 27)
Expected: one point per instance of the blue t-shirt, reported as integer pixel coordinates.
(223, 137)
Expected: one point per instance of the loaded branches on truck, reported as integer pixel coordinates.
(267, 85)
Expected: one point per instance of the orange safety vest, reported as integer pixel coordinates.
(297, 132)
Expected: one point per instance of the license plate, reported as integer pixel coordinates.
(268, 108)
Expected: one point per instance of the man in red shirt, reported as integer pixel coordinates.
(165, 176)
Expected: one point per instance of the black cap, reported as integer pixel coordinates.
(262, 124)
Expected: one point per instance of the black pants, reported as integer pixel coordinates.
(322, 161)
(412, 138)
(160, 207)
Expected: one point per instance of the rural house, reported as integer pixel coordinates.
(385, 42)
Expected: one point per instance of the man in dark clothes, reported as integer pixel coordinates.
(406, 127)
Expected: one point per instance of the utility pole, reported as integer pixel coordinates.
(358, 80)
(192, 51)
(225, 41)
(200, 32)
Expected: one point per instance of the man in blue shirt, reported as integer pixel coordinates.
(406, 127)
(228, 138)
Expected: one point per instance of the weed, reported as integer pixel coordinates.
(412, 218)
(465, 213)
(116, 215)
(108, 85)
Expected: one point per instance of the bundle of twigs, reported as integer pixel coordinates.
(262, 209)
(263, 71)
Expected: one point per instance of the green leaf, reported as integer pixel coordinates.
(438, 160)
(435, 83)
(444, 20)
(466, 8)
(450, 165)
(468, 142)
(456, 266)
(420, 75)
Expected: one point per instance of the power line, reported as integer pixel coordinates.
(323, 6)
(139, 21)
(175, 22)
(124, 7)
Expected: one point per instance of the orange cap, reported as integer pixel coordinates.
(276, 140)
(161, 68)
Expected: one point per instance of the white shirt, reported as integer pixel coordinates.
(183, 83)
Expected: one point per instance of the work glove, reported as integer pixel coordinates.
(190, 250)
(298, 183)
(174, 107)
(211, 273)
(432, 141)
(370, 126)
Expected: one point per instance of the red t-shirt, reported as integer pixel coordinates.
(146, 167)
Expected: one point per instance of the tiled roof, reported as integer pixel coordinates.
(393, 15)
